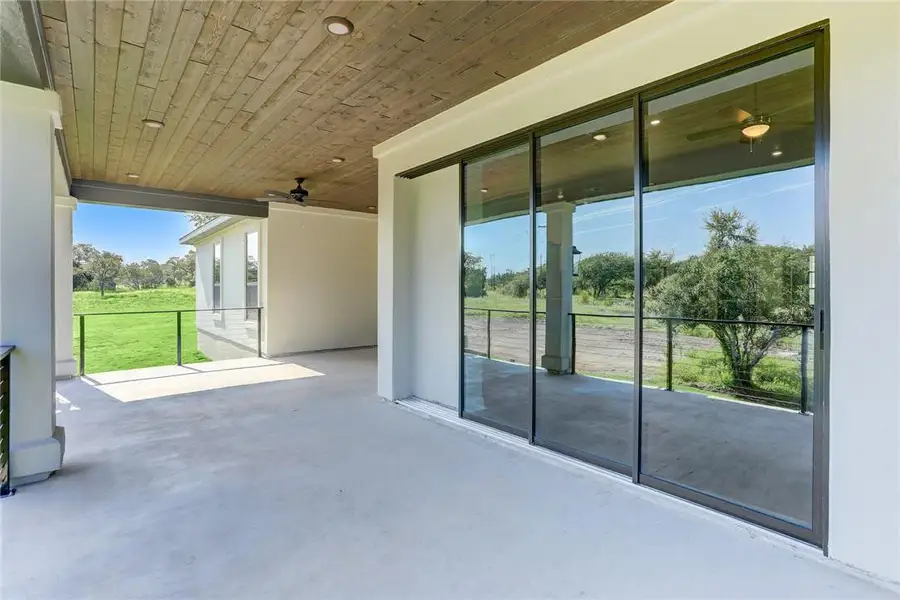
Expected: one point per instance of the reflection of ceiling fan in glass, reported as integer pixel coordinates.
(752, 126)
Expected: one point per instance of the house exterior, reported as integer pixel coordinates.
(767, 130)
(497, 178)
(304, 304)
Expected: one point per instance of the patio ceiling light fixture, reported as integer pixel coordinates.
(600, 137)
(132, 175)
(153, 123)
(337, 159)
(338, 25)
(777, 153)
(756, 127)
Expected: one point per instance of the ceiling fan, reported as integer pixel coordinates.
(752, 126)
(299, 196)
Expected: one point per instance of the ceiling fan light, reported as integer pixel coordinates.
(600, 137)
(755, 130)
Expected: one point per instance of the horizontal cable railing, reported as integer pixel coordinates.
(249, 313)
(761, 362)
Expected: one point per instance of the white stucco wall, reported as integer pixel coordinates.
(864, 220)
(434, 277)
(227, 334)
(320, 281)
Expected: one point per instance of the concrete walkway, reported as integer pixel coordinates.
(311, 488)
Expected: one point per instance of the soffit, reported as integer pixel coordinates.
(255, 93)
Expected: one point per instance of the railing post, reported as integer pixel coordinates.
(572, 353)
(259, 331)
(178, 338)
(804, 378)
(81, 345)
(489, 334)
(669, 358)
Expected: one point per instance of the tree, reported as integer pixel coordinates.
(200, 219)
(474, 275)
(735, 279)
(657, 266)
(81, 254)
(597, 272)
(133, 275)
(153, 273)
(103, 268)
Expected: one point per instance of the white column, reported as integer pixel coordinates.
(395, 196)
(28, 117)
(558, 344)
(65, 359)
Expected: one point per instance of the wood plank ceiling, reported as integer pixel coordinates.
(255, 93)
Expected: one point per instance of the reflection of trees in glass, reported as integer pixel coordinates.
(474, 275)
(252, 269)
(738, 279)
(217, 263)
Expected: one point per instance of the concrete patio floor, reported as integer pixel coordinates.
(312, 488)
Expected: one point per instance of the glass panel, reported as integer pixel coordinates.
(728, 239)
(217, 275)
(497, 246)
(585, 281)
(252, 274)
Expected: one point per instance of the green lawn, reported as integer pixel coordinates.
(115, 342)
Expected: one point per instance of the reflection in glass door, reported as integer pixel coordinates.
(496, 291)
(714, 319)
(585, 290)
(730, 199)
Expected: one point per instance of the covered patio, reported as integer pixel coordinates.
(311, 487)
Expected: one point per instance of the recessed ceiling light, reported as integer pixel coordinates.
(777, 153)
(484, 190)
(338, 25)
(337, 159)
(153, 123)
(132, 175)
(371, 207)
(655, 122)
(599, 136)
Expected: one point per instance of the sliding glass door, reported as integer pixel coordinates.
(496, 291)
(642, 286)
(585, 289)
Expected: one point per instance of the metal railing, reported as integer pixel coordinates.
(178, 327)
(678, 352)
(5, 376)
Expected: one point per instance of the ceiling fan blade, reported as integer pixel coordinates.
(795, 123)
(743, 115)
(787, 109)
(707, 133)
(283, 200)
(323, 203)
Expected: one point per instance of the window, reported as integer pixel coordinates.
(217, 277)
(251, 270)
(638, 289)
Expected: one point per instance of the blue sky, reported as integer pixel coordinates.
(780, 203)
(135, 233)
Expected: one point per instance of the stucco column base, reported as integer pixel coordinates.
(35, 460)
(556, 365)
(66, 368)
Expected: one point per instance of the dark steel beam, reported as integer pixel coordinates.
(144, 197)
